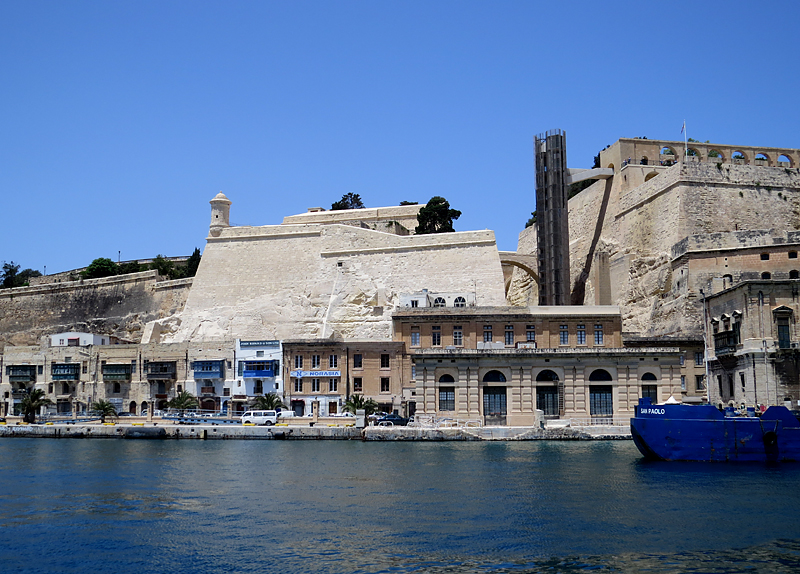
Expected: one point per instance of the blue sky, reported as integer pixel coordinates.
(120, 120)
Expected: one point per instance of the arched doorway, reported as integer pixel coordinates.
(494, 399)
(132, 407)
(601, 397)
(143, 408)
(547, 397)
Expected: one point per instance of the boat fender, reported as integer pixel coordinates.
(770, 439)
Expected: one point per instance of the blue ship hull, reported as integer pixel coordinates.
(703, 433)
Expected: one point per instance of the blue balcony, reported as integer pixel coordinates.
(250, 374)
(259, 369)
(209, 369)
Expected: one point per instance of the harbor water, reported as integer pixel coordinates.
(128, 506)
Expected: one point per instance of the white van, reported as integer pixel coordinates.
(260, 417)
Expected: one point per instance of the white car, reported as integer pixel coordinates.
(260, 417)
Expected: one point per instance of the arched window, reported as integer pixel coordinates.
(459, 302)
(649, 377)
(438, 302)
(446, 379)
(117, 388)
(600, 375)
(716, 155)
(766, 275)
(494, 377)
(547, 376)
(794, 274)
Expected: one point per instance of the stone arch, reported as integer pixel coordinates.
(785, 159)
(547, 376)
(208, 405)
(650, 176)
(600, 375)
(692, 152)
(143, 408)
(761, 156)
(447, 379)
(648, 376)
(739, 156)
(716, 155)
(644, 160)
(611, 166)
(132, 407)
(494, 376)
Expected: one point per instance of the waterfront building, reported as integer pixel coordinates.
(499, 365)
(327, 373)
(754, 344)
(258, 373)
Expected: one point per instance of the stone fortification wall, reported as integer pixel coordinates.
(325, 281)
(118, 306)
(392, 219)
(646, 232)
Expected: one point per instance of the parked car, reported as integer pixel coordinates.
(393, 418)
(124, 414)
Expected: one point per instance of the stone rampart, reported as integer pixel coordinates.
(325, 281)
(118, 306)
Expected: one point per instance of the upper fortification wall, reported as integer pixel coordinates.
(118, 306)
(398, 219)
(322, 281)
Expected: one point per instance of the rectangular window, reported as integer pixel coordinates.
(358, 361)
(384, 361)
(458, 336)
(598, 335)
(650, 392)
(384, 384)
(530, 333)
(563, 335)
(741, 378)
(314, 385)
(298, 361)
(414, 303)
(415, 338)
(298, 385)
(258, 388)
(436, 336)
(40, 369)
(487, 333)
(226, 392)
(683, 382)
(413, 372)
(699, 357)
(683, 360)
(447, 398)
(259, 353)
(581, 339)
(333, 385)
(700, 382)
(315, 361)
(358, 384)
(333, 361)
(509, 339)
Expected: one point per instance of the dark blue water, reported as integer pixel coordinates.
(280, 506)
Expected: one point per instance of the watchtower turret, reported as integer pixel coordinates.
(220, 214)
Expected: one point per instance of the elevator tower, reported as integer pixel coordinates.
(552, 222)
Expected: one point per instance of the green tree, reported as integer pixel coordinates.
(193, 263)
(100, 267)
(532, 220)
(436, 217)
(129, 267)
(31, 403)
(268, 402)
(104, 409)
(349, 200)
(10, 271)
(408, 203)
(356, 402)
(164, 266)
(183, 401)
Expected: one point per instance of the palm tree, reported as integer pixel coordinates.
(356, 402)
(104, 409)
(183, 401)
(268, 402)
(31, 403)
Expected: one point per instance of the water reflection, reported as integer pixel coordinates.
(285, 506)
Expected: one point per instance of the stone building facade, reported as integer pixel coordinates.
(499, 365)
(754, 343)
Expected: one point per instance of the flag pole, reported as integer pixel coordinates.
(685, 142)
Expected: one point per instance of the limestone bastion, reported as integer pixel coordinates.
(330, 275)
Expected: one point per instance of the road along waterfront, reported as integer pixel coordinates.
(354, 506)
